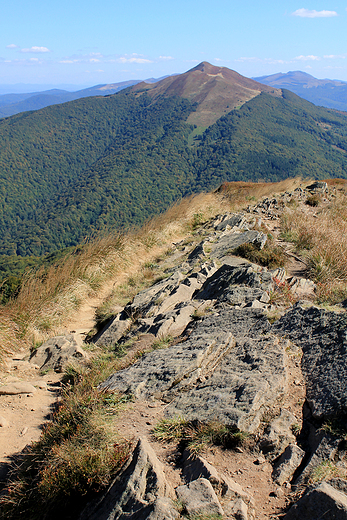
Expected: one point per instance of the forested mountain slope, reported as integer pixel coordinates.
(110, 162)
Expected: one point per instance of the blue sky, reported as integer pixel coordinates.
(71, 42)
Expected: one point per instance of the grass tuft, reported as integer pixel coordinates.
(197, 435)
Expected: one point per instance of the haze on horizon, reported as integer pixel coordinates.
(83, 44)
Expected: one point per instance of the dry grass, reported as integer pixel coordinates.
(49, 298)
(322, 240)
(239, 194)
(78, 453)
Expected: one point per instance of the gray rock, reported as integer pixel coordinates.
(194, 467)
(230, 241)
(199, 497)
(324, 452)
(140, 491)
(323, 501)
(287, 464)
(322, 335)
(232, 221)
(237, 284)
(228, 370)
(17, 388)
(113, 331)
(278, 435)
(239, 511)
(151, 298)
(58, 352)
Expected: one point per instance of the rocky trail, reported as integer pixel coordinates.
(219, 346)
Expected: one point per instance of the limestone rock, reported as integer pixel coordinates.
(323, 501)
(17, 388)
(323, 338)
(287, 464)
(140, 491)
(199, 497)
(59, 351)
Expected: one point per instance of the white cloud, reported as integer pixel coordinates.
(94, 60)
(312, 13)
(36, 49)
(12, 46)
(134, 60)
(335, 56)
(166, 58)
(307, 58)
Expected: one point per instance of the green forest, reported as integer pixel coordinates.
(70, 171)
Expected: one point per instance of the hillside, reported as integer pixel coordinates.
(213, 385)
(111, 162)
(323, 92)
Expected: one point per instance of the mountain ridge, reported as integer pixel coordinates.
(321, 92)
(216, 90)
(110, 162)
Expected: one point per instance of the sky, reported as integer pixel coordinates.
(74, 43)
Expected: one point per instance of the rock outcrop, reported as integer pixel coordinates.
(228, 363)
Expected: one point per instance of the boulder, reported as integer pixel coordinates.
(139, 491)
(229, 241)
(287, 464)
(198, 497)
(58, 352)
(237, 284)
(113, 331)
(278, 434)
(322, 336)
(323, 501)
(227, 370)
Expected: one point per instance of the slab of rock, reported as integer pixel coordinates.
(322, 335)
(17, 388)
(58, 352)
(113, 331)
(231, 221)
(199, 497)
(237, 284)
(140, 491)
(287, 464)
(323, 501)
(227, 370)
(227, 242)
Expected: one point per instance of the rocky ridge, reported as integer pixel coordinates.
(238, 356)
(231, 361)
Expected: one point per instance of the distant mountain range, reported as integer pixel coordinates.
(109, 162)
(322, 92)
(11, 104)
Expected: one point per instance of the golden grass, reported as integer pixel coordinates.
(49, 298)
(322, 240)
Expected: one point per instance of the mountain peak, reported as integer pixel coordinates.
(216, 90)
